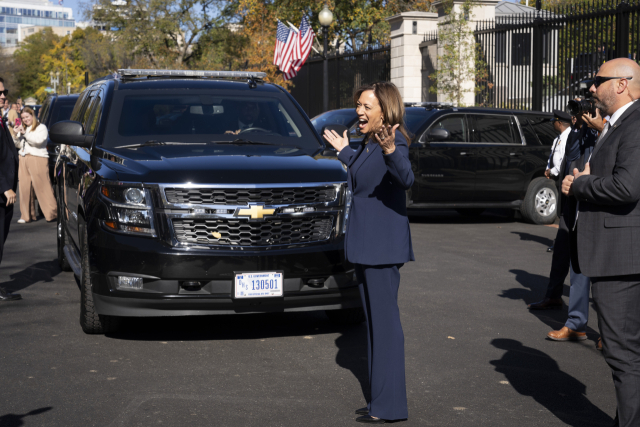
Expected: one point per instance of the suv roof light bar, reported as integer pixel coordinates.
(429, 105)
(251, 75)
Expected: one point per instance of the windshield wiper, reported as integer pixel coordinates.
(241, 141)
(154, 142)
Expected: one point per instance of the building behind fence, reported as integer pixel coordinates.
(532, 59)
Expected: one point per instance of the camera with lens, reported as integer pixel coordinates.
(577, 108)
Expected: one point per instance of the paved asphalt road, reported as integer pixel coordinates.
(475, 355)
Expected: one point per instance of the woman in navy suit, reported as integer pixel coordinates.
(378, 239)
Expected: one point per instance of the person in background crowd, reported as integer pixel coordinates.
(560, 259)
(5, 109)
(20, 105)
(607, 191)
(580, 143)
(8, 186)
(31, 139)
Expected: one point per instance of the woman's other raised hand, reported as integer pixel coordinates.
(338, 142)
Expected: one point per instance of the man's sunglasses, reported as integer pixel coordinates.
(4, 92)
(598, 80)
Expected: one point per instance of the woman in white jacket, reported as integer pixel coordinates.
(31, 140)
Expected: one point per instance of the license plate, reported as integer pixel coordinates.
(258, 285)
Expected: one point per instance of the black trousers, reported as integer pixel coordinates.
(560, 261)
(6, 213)
(617, 301)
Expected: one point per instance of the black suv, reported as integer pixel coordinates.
(196, 192)
(472, 159)
(55, 109)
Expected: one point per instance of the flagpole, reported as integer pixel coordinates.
(325, 17)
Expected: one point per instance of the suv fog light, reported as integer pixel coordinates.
(125, 282)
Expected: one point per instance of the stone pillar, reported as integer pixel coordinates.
(407, 32)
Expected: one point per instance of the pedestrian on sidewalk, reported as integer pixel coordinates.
(31, 140)
(378, 239)
(8, 186)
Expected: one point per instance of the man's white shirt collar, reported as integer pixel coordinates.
(620, 111)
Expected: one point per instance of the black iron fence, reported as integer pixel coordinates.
(347, 72)
(537, 60)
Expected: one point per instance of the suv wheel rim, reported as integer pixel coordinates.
(546, 202)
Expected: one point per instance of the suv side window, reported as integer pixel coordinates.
(45, 110)
(92, 123)
(454, 123)
(543, 129)
(529, 134)
(496, 130)
(78, 108)
(87, 111)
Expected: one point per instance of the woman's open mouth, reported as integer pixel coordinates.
(362, 123)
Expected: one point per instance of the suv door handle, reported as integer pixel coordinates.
(515, 154)
(463, 153)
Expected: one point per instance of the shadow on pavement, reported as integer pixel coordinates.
(527, 237)
(534, 288)
(533, 373)
(352, 355)
(15, 420)
(43, 271)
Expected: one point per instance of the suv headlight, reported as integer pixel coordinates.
(347, 207)
(131, 208)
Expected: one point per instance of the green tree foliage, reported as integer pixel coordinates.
(461, 66)
(28, 60)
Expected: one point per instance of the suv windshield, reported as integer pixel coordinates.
(179, 116)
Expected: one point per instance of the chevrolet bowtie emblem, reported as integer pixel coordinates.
(256, 212)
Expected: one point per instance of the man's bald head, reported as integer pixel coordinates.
(613, 94)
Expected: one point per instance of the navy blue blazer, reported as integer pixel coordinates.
(8, 163)
(378, 228)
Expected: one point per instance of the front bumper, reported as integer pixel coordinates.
(316, 277)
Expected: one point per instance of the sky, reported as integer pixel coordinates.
(75, 5)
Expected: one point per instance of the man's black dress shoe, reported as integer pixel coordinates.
(8, 296)
(369, 419)
(362, 411)
(546, 304)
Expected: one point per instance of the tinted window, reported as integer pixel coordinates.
(62, 110)
(79, 106)
(455, 124)
(95, 118)
(529, 135)
(44, 111)
(494, 129)
(543, 129)
(87, 111)
(340, 117)
(181, 116)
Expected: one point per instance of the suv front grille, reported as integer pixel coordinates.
(241, 232)
(243, 196)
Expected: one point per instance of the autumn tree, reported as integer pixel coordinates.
(27, 60)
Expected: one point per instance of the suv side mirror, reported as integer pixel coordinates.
(438, 135)
(340, 130)
(69, 133)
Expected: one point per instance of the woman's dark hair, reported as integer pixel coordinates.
(391, 104)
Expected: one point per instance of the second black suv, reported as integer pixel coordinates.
(54, 109)
(472, 159)
(191, 193)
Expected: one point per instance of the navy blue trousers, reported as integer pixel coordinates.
(578, 302)
(379, 291)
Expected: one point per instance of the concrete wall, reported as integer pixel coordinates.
(407, 32)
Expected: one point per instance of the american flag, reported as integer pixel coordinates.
(285, 44)
(306, 41)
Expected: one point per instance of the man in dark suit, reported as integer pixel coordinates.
(8, 185)
(607, 229)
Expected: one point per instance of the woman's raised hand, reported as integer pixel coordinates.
(386, 137)
(334, 138)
